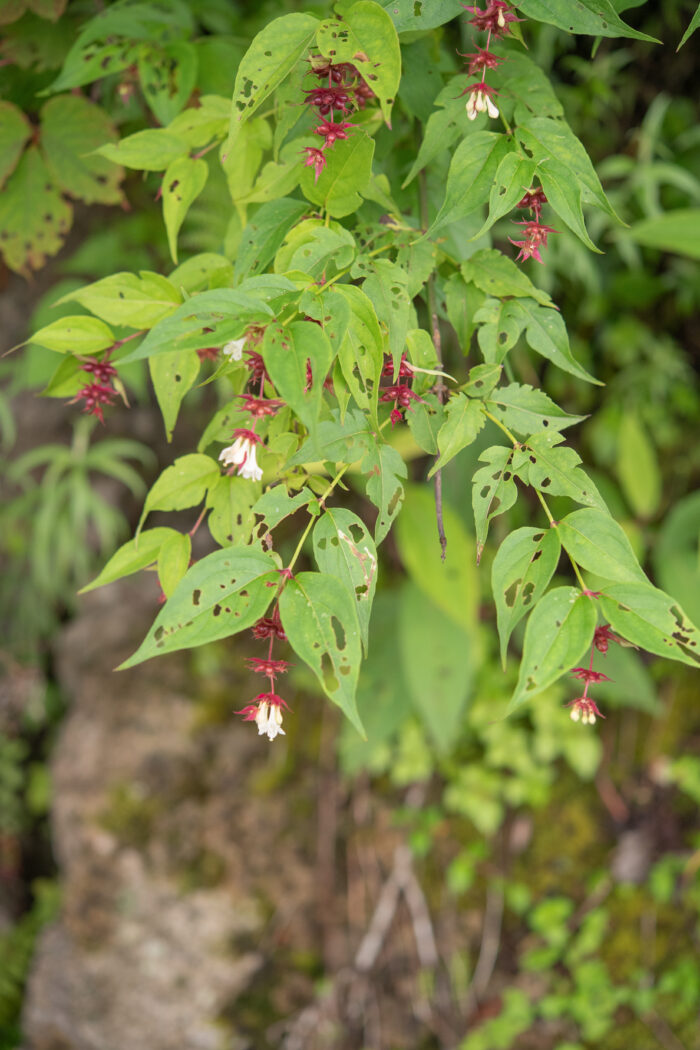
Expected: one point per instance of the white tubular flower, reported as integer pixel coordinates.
(480, 101)
(241, 454)
(234, 349)
(269, 720)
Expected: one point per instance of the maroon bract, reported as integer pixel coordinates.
(363, 94)
(256, 364)
(266, 712)
(496, 18)
(535, 235)
(207, 353)
(327, 99)
(95, 396)
(260, 406)
(480, 100)
(481, 59)
(271, 668)
(332, 131)
(101, 370)
(316, 159)
(585, 709)
(533, 199)
(602, 637)
(402, 396)
(586, 675)
(269, 626)
(405, 371)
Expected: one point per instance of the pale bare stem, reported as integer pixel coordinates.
(439, 388)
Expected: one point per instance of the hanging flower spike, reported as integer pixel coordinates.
(254, 361)
(234, 349)
(479, 100)
(603, 636)
(363, 94)
(267, 626)
(331, 132)
(326, 99)
(586, 675)
(479, 60)
(405, 370)
(585, 710)
(402, 396)
(533, 199)
(535, 235)
(260, 406)
(266, 712)
(95, 395)
(101, 370)
(241, 454)
(324, 69)
(495, 19)
(316, 159)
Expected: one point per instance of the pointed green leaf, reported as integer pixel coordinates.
(465, 418)
(173, 560)
(319, 618)
(558, 633)
(230, 503)
(693, 25)
(469, 181)
(592, 17)
(523, 566)
(500, 324)
(34, 217)
(651, 619)
(124, 298)
(221, 595)
(546, 333)
(264, 233)
(344, 548)
(597, 543)
(675, 231)
(150, 150)
(527, 411)
(347, 172)
(71, 130)
(386, 469)
(183, 182)
(556, 471)
(75, 335)
(497, 275)
(168, 76)
(288, 353)
(15, 130)
(387, 288)
(493, 490)
(182, 485)
(514, 172)
(132, 556)
(277, 504)
(173, 375)
(361, 351)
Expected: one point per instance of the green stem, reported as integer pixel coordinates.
(308, 528)
(342, 273)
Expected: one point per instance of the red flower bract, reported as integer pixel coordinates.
(495, 18)
(260, 406)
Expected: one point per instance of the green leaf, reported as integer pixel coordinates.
(150, 150)
(173, 560)
(183, 182)
(470, 179)
(675, 231)
(558, 633)
(319, 619)
(199, 125)
(597, 543)
(287, 353)
(182, 485)
(71, 130)
(651, 619)
(443, 128)
(213, 317)
(201, 272)
(385, 468)
(15, 130)
(526, 410)
(231, 502)
(693, 25)
(132, 556)
(125, 299)
(439, 664)
(496, 274)
(173, 375)
(168, 76)
(388, 291)
(408, 16)
(500, 324)
(314, 248)
(556, 471)
(593, 17)
(221, 595)
(87, 61)
(675, 554)
(339, 442)
(546, 333)
(465, 418)
(493, 490)
(270, 58)
(361, 352)
(481, 381)
(453, 585)
(344, 548)
(276, 504)
(525, 89)
(365, 36)
(425, 421)
(264, 233)
(347, 173)
(34, 217)
(638, 467)
(242, 163)
(513, 173)
(524, 564)
(75, 335)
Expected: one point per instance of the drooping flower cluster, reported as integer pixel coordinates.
(400, 393)
(495, 20)
(100, 392)
(266, 708)
(342, 90)
(584, 708)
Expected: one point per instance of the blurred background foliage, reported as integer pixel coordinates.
(580, 849)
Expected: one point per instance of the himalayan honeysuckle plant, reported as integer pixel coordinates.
(385, 209)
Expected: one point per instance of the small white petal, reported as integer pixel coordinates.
(234, 349)
(471, 107)
(575, 714)
(493, 110)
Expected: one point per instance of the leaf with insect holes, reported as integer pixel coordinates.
(546, 333)
(361, 352)
(597, 543)
(264, 234)
(221, 595)
(125, 298)
(271, 57)
(556, 471)
(173, 375)
(150, 150)
(276, 504)
(493, 490)
(500, 324)
(470, 178)
(183, 182)
(497, 275)
(558, 633)
(651, 619)
(344, 548)
(513, 173)
(593, 17)
(15, 130)
(385, 469)
(348, 169)
(34, 217)
(230, 503)
(71, 130)
(523, 566)
(319, 618)
(297, 359)
(132, 557)
(465, 418)
(526, 410)
(168, 76)
(387, 288)
(365, 36)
